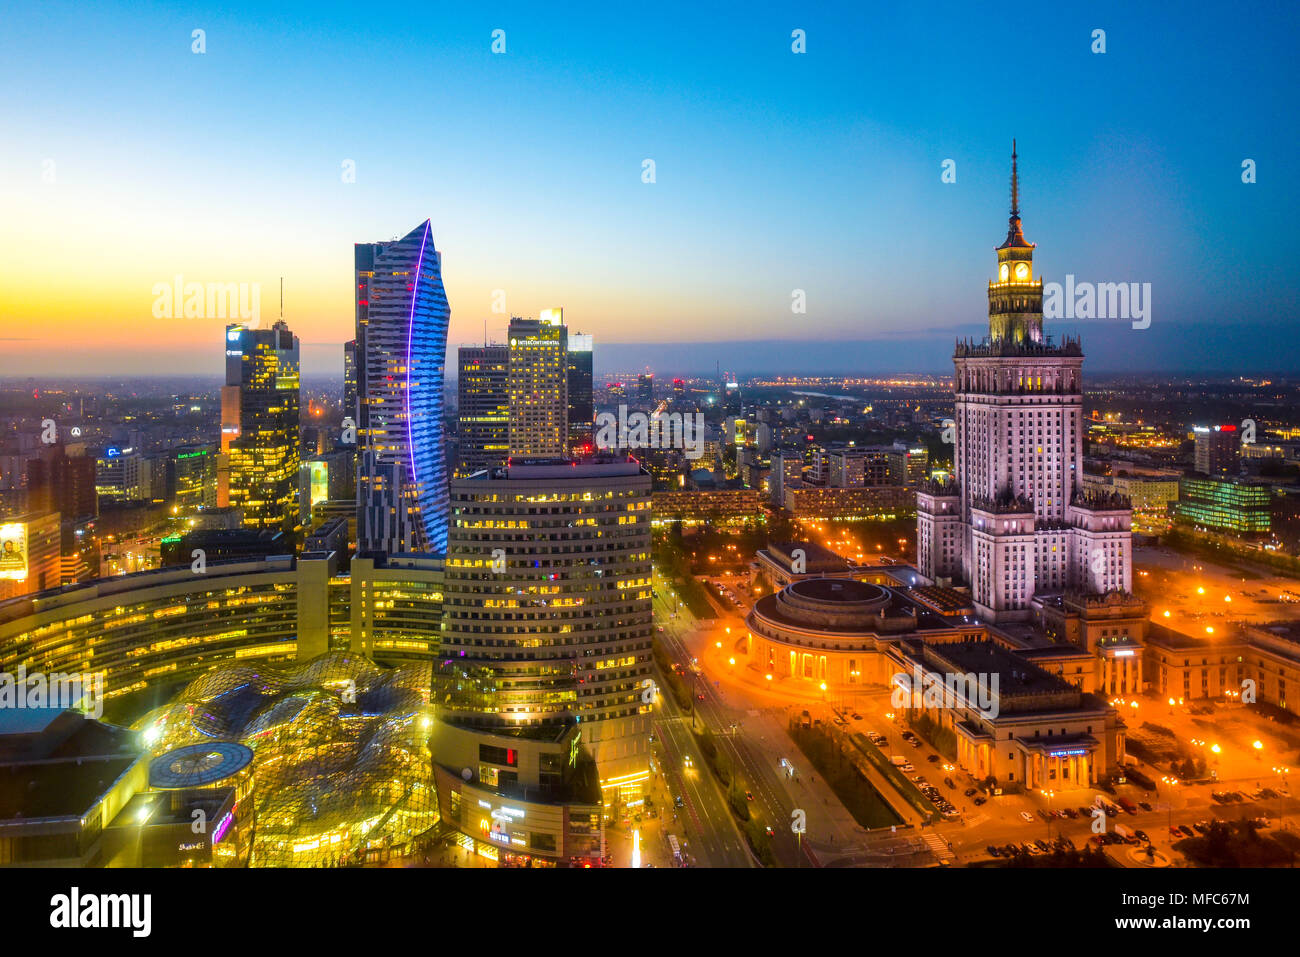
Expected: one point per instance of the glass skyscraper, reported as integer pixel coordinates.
(484, 404)
(259, 428)
(402, 316)
(582, 410)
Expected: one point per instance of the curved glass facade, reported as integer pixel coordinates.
(402, 317)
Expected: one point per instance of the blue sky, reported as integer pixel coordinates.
(775, 171)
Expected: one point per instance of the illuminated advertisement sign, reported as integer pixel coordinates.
(13, 551)
(1066, 754)
(320, 482)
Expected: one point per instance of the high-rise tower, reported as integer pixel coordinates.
(582, 409)
(1015, 522)
(402, 317)
(259, 426)
(538, 385)
(483, 407)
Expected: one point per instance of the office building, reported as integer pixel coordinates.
(192, 479)
(547, 608)
(259, 428)
(402, 315)
(1218, 449)
(350, 379)
(582, 408)
(538, 385)
(483, 401)
(1228, 506)
(1016, 521)
(123, 475)
(61, 482)
(31, 548)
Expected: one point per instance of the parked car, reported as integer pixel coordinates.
(980, 800)
(951, 783)
(1142, 836)
(1026, 816)
(993, 851)
(1144, 805)
(933, 758)
(970, 792)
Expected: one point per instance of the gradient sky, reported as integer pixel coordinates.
(775, 171)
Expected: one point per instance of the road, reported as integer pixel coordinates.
(773, 804)
(705, 821)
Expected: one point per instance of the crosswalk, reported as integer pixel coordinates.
(939, 847)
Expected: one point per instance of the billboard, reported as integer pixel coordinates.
(13, 551)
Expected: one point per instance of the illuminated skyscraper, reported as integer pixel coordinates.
(259, 426)
(350, 379)
(582, 409)
(1218, 449)
(547, 607)
(1016, 521)
(402, 317)
(538, 385)
(483, 400)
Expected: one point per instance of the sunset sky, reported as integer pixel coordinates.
(775, 171)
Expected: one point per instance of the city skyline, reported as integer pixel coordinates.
(752, 439)
(827, 167)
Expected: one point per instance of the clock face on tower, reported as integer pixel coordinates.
(1003, 272)
(1022, 271)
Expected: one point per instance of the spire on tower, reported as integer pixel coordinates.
(1015, 237)
(1015, 184)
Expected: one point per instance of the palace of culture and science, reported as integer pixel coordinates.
(1015, 523)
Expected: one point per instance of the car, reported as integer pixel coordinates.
(970, 792)
(933, 758)
(1201, 827)
(1026, 816)
(906, 767)
(1085, 811)
(1142, 836)
(1070, 812)
(915, 743)
(1175, 832)
(1187, 831)
(980, 800)
(951, 783)
(993, 851)
(700, 696)
(678, 802)
(1042, 845)
(920, 779)
(856, 716)
(1044, 815)
(769, 831)
(749, 795)
(1144, 805)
